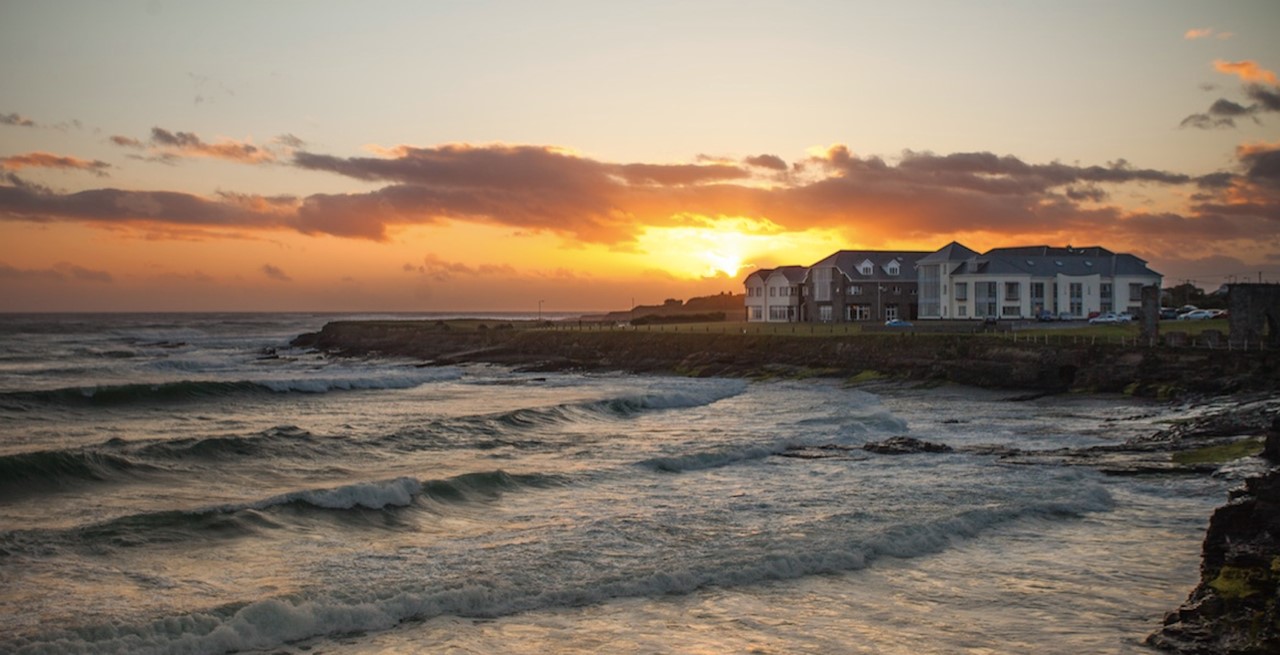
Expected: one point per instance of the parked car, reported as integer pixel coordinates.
(1126, 317)
(1217, 313)
(897, 322)
(1066, 316)
(1186, 308)
(1045, 316)
(1168, 313)
(1196, 315)
(1108, 318)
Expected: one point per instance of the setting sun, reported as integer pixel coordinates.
(723, 246)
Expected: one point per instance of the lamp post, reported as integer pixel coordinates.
(879, 305)
(540, 310)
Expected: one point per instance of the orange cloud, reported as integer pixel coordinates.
(1247, 70)
(1205, 33)
(47, 160)
(922, 198)
(168, 147)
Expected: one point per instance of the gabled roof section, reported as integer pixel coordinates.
(793, 274)
(848, 261)
(1046, 261)
(952, 252)
(762, 273)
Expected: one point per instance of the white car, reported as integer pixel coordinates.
(1196, 315)
(1109, 318)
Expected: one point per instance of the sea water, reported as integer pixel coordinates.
(189, 484)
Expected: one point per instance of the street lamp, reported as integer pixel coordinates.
(540, 310)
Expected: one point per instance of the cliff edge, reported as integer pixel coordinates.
(1235, 610)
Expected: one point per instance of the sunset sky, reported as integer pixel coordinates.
(469, 156)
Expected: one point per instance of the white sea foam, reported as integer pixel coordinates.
(272, 622)
(369, 495)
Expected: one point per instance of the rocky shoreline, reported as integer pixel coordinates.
(1233, 610)
(981, 361)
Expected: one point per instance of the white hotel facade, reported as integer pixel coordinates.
(952, 283)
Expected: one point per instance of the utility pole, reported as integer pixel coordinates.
(540, 310)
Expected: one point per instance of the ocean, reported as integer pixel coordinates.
(177, 483)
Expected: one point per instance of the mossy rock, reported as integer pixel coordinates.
(1234, 582)
(869, 375)
(1220, 453)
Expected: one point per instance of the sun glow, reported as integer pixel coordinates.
(725, 246)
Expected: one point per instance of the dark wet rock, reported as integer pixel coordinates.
(825, 451)
(1271, 451)
(1235, 610)
(905, 446)
(1031, 369)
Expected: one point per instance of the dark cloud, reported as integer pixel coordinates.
(275, 273)
(533, 189)
(17, 120)
(440, 270)
(58, 273)
(126, 142)
(1268, 99)
(1263, 164)
(1224, 107)
(188, 144)
(1219, 180)
(167, 147)
(1223, 112)
(290, 141)
(47, 160)
(772, 162)
(120, 206)
(1206, 122)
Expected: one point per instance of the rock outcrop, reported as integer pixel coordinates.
(1235, 610)
(990, 362)
(905, 446)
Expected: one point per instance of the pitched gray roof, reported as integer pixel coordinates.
(951, 252)
(847, 261)
(794, 274)
(1046, 260)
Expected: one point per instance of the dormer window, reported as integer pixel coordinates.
(867, 268)
(893, 268)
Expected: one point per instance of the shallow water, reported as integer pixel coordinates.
(165, 487)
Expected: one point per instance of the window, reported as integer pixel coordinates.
(931, 290)
(822, 285)
(962, 290)
(773, 292)
(893, 268)
(890, 312)
(1104, 290)
(867, 268)
(1037, 291)
(824, 313)
(896, 290)
(984, 295)
(855, 290)
(1135, 292)
(1075, 292)
(1012, 291)
(1011, 311)
(780, 313)
(862, 312)
(756, 313)
(962, 311)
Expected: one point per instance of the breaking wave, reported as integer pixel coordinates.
(273, 622)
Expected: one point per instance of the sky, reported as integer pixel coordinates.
(591, 155)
